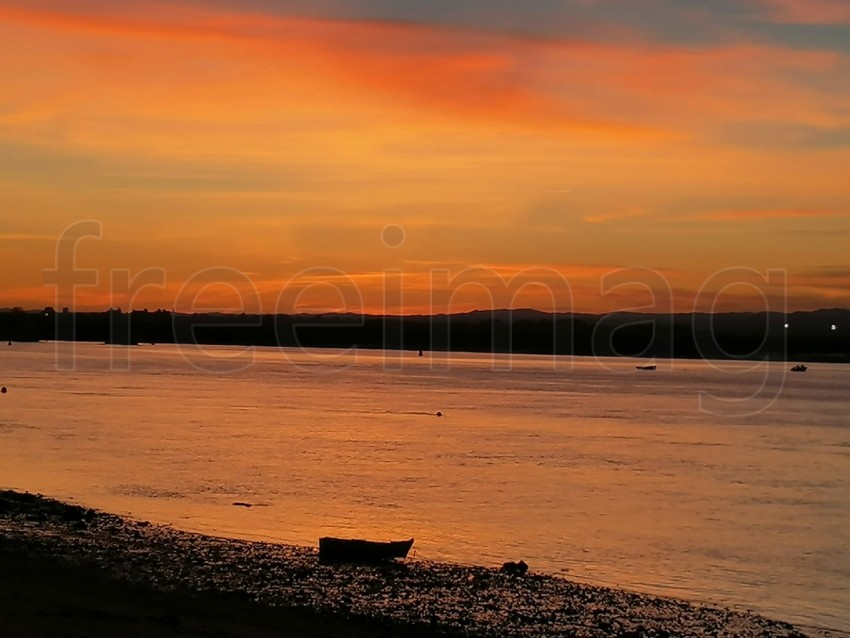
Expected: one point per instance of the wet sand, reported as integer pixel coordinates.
(66, 570)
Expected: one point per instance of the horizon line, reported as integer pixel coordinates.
(418, 315)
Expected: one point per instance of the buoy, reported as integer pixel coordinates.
(3, 390)
(438, 413)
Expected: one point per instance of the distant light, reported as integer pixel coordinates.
(787, 325)
(833, 327)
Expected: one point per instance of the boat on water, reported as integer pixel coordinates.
(355, 550)
(646, 367)
(800, 367)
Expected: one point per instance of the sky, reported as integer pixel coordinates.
(407, 157)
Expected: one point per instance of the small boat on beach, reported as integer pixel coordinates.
(800, 367)
(646, 367)
(355, 550)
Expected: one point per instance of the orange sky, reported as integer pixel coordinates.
(359, 159)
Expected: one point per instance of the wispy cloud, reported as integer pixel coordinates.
(572, 85)
(26, 237)
(808, 12)
(750, 215)
(479, 75)
(604, 218)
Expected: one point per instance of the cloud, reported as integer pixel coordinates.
(604, 218)
(808, 12)
(474, 75)
(794, 135)
(750, 215)
(681, 22)
(178, 60)
(828, 276)
(16, 237)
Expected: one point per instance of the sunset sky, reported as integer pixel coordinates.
(405, 156)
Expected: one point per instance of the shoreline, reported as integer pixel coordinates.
(784, 360)
(88, 572)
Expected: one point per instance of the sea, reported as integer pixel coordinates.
(721, 482)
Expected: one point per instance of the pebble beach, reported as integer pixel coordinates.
(194, 584)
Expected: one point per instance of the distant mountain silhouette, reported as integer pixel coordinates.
(821, 335)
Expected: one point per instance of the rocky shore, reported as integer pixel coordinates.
(52, 553)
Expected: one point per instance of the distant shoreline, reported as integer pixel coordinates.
(821, 336)
(92, 573)
(815, 359)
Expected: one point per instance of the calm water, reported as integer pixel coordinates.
(585, 468)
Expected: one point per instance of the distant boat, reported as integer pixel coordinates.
(647, 367)
(352, 550)
(800, 367)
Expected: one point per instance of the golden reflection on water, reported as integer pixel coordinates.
(585, 468)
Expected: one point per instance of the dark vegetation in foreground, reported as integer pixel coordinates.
(72, 571)
(822, 335)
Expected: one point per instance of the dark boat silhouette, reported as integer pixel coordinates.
(354, 550)
(647, 367)
(800, 367)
